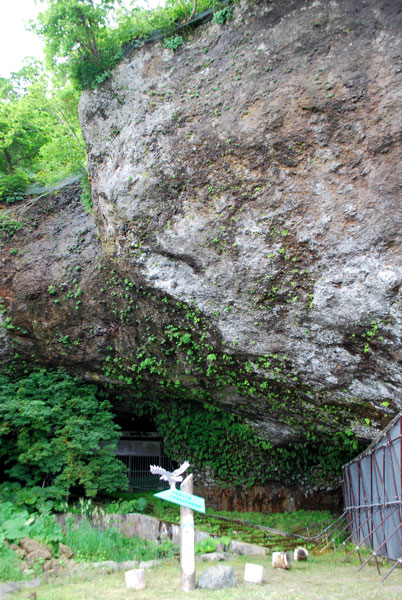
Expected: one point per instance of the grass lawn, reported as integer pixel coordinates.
(321, 577)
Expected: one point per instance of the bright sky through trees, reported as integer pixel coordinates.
(16, 43)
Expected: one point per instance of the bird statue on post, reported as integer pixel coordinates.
(171, 477)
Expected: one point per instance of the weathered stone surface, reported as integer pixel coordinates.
(50, 565)
(259, 183)
(65, 551)
(108, 566)
(247, 549)
(216, 578)
(214, 556)
(30, 583)
(251, 176)
(8, 588)
(35, 550)
(271, 497)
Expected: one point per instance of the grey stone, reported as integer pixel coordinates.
(110, 566)
(149, 564)
(127, 564)
(31, 583)
(237, 547)
(8, 588)
(217, 577)
(214, 556)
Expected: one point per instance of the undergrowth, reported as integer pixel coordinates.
(91, 544)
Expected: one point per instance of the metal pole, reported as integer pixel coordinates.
(187, 552)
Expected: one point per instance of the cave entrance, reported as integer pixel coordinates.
(140, 446)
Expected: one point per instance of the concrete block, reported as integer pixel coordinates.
(253, 573)
(135, 579)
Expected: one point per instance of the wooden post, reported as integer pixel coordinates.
(187, 552)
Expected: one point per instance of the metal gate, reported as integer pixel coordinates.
(139, 450)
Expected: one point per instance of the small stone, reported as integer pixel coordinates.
(253, 573)
(217, 577)
(135, 579)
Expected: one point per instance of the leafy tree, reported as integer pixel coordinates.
(54, 430)
(78, 40)
(40, 135)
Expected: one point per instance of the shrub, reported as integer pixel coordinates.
(173, 42)
(13, 186)
(223, 16)
(56, 430)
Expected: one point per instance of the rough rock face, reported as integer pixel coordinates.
(247, 202)
(253, 174)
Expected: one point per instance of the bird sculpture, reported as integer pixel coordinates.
(171, 477)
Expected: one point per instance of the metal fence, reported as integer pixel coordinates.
(139, 450)
(372, 485)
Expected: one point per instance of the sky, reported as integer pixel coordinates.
(16, 43)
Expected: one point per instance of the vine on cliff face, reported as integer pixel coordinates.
(211, 437)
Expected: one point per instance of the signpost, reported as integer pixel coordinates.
(187, 551)
(183, 498)
(188, 503)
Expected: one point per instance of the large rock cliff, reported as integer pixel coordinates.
(247, 247)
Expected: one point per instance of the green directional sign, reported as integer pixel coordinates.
(183, 499)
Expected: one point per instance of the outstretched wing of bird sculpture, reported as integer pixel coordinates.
(181, 469)
(171, 477)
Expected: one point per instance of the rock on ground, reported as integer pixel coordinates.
(217, 577)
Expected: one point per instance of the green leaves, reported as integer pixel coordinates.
(55, 430)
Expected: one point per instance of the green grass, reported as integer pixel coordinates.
(9, 569)
(90, 544)
(322, 577)
(301, 522)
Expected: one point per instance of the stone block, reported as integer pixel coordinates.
(245, 548)
(253, 573)
(135, 579)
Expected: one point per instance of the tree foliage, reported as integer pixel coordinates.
(40, 137)
(54, 430)
(78, 38)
